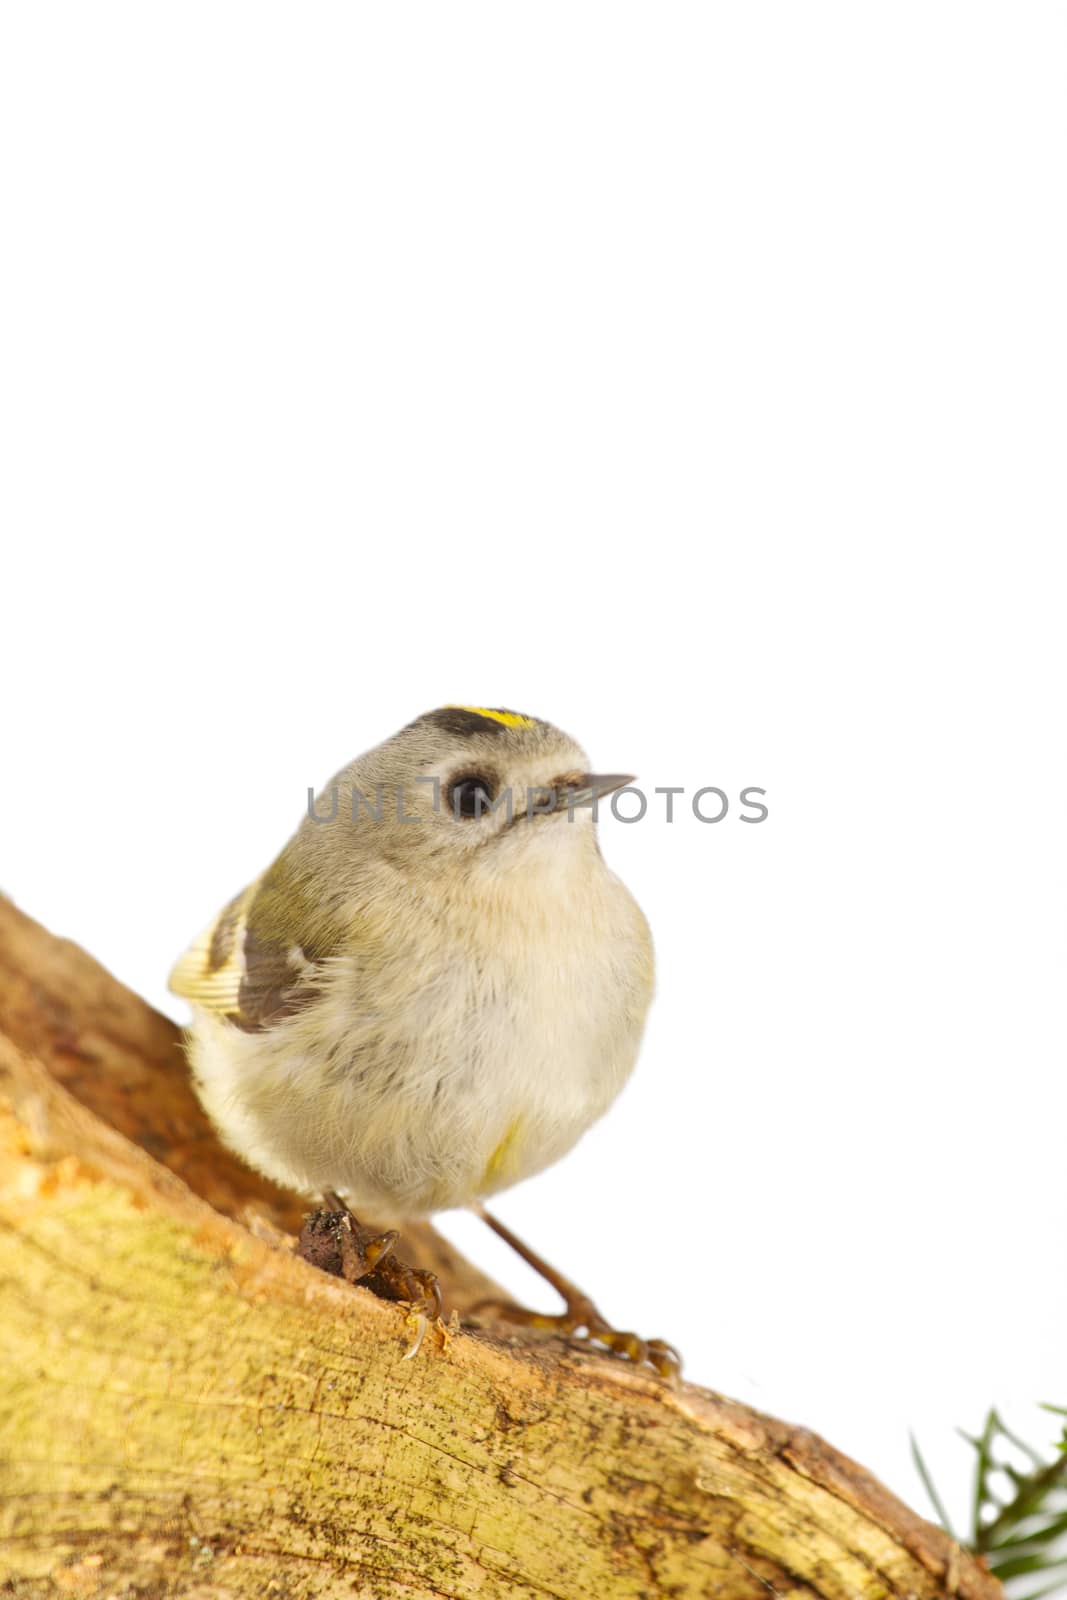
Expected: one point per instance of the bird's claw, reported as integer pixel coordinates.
(581, 1320)
(395, 1280)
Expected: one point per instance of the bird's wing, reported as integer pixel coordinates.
(254, 966)
(211, 971)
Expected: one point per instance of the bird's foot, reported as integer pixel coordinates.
(395, 1280)
(581, 1320)
(335, 1241)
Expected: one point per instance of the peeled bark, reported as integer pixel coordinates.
(186, 1409)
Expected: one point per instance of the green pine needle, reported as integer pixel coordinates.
(1018, 1515)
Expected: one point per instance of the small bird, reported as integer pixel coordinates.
(431, 993)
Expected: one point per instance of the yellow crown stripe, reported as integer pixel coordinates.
(510, 719)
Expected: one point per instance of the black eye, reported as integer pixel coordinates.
(471, 795)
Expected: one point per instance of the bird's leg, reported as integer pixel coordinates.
(581, 1317)
(334, 1240)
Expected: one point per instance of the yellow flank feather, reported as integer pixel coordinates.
(510, 719)
(503, 1163)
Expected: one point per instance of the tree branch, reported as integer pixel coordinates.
(187, 1409)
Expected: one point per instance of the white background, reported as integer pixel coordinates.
(691, 376)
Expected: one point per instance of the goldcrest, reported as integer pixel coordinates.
(437, 986)
(432, 992)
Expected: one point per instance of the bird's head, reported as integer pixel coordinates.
(476, 786)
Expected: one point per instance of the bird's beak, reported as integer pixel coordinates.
(590, 787)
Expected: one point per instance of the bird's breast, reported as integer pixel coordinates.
(465, 1055)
